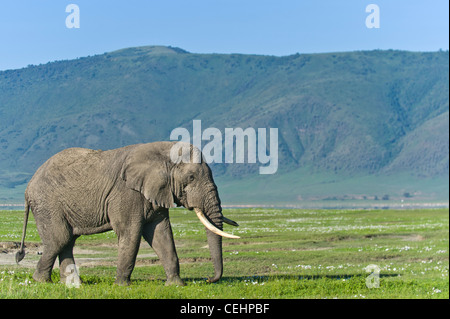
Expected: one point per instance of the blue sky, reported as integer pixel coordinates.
(34, 31)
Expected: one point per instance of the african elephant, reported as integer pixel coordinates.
(129, 190)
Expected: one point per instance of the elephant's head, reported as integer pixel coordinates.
(166, 174)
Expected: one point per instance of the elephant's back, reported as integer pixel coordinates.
(61, 167)
(72, 181)
(65, 159)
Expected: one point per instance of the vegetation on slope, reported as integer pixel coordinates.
(363, 113)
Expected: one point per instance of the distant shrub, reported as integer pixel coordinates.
(407, 195)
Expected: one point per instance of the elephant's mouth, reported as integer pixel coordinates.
(213, 228)
(181, 200)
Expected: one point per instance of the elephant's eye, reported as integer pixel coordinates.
(191, 178)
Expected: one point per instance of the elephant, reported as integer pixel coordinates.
(128, 190)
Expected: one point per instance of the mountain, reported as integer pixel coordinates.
(340, 116)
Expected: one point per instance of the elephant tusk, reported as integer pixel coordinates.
(211, 227)
(230, 222)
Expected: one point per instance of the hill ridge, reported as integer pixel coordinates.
(357, 113)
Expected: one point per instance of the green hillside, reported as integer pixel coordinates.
(347, 120)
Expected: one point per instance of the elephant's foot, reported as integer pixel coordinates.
(71, 279)
(175, 280)
(123, 281)
(69, 274)
(40, 277)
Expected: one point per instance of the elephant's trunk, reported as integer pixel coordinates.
(213, 221)
(215, 249)
(213, 212)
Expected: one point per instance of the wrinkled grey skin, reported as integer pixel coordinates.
(129, 190)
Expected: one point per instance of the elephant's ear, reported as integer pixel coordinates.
(146, 171)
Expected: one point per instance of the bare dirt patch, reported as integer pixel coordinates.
(8, 252)
(85, 255)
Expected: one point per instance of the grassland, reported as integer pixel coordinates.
(288, 253)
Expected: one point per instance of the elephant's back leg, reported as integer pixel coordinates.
(56, 235)
(66, 260)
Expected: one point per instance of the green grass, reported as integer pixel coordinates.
(289, 253)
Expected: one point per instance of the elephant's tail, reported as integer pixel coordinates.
(21, 253)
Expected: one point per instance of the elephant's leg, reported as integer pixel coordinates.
(67, 262)
(129, 241)
(54, 240)
(45, 264)
(158, 234)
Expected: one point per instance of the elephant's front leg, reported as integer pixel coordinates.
(129, 241)
(158, 233)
